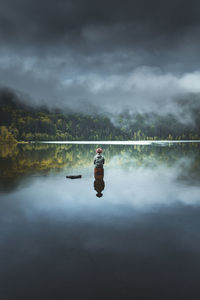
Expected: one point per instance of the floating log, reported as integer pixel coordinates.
(74, 176)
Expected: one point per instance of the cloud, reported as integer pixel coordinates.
(142, 89)
(48, 21)
(116, 55)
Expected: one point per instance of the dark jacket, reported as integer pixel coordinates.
(99, 161)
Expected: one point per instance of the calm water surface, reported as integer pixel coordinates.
(140, 240)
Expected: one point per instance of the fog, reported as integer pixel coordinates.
(111, 56)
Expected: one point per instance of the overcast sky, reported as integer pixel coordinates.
(130, 54)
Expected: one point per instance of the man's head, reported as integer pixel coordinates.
(99, 150)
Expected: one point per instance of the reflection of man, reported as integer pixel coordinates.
(99, 187)
(99, 172)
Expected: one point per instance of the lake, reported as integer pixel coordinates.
(135, 234)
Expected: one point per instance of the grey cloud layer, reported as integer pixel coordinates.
(122, 54)
(49, 21)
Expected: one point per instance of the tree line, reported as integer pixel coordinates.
(23, 123)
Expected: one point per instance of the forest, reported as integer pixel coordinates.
(20, 122)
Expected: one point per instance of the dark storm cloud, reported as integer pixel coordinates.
(137, 54)
(47, 22)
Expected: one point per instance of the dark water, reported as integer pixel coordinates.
(140, 240)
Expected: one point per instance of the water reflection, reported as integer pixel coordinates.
(99, 183)
(140, 241)
(19, 162)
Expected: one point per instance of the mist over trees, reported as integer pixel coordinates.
(19, 122)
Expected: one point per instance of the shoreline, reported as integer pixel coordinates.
(144, 142)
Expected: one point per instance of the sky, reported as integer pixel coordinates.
(108, 55)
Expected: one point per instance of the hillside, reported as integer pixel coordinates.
(20, 122)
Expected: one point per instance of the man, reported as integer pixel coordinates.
(99, 184)
(99, 159)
